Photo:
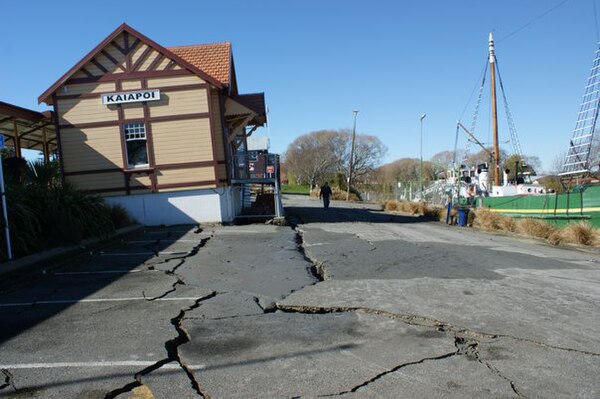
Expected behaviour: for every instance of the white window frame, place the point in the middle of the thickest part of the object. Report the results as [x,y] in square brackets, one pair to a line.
[138,135]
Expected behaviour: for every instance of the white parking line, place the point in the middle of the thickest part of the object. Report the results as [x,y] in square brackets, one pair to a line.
[122,363]
[158,241]
[63,301]
[143,253]
[126,253]
[170,231]
[173,253]
[103,272]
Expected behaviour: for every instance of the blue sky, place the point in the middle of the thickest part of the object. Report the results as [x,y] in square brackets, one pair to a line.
[318,60]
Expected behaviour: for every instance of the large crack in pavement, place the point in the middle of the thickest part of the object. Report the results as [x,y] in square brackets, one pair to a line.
[172,348]
[183,336]
[317,268]
[390,371]
[466,341]
[182,259]
[471,349]
[464,347]
[421,321]
[414,320]
[9,380]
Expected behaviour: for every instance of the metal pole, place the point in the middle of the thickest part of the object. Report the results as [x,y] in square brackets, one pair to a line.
[5,213]
[351,156]
[421,157]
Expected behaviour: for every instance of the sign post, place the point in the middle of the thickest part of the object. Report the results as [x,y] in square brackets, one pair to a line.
[4,211]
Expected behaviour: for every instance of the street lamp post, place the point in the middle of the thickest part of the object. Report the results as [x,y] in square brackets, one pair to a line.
[351,156]
[421,157]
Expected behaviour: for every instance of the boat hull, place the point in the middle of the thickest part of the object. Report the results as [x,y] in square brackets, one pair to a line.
[558,209]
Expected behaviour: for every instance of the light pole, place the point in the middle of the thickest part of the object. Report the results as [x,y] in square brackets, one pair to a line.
[351,156]
[421,157]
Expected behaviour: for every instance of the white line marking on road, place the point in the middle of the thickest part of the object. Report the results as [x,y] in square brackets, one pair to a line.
[316,244]
[170,231]
[63,301]
[158,241]
[173,253]
[122,363]
[126,253]
[103,272]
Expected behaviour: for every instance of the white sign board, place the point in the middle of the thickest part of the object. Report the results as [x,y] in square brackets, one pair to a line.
[131,97]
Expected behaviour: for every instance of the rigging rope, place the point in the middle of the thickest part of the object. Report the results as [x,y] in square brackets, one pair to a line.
[542,15]
[473,91]
[455,147]
[514,138]
[476,111]
[478,104]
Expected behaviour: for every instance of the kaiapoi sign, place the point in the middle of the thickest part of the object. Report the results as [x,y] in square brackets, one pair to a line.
[131,97]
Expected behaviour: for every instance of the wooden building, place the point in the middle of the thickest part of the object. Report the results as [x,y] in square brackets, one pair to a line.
[155,129]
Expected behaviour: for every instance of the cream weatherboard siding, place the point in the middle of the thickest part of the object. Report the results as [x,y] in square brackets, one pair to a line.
[182,141]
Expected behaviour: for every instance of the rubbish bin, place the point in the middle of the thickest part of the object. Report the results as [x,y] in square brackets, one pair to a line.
[463,214]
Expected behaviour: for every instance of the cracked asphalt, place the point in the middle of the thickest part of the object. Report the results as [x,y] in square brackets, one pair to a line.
[349,302]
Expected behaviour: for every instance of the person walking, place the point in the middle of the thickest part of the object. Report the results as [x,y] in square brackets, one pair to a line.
[325,193]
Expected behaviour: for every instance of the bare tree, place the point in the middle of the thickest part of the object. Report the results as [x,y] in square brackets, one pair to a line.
[319,155]
[557,163]
[368,153]
[311,157]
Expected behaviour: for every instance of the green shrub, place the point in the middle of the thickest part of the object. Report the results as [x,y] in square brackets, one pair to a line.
[42,213]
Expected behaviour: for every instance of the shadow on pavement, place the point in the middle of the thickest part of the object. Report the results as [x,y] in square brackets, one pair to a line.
[338,214]
[28,300]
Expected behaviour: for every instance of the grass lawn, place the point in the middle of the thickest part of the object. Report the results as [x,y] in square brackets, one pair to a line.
[294,189]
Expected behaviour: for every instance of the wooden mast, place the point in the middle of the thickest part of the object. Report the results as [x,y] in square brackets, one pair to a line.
[494,111]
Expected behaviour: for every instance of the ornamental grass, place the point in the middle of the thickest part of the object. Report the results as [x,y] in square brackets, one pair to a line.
[44,213]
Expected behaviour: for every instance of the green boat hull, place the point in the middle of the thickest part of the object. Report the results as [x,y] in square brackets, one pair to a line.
[558,209]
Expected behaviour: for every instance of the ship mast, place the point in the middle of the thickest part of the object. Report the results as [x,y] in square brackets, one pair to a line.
[492,61]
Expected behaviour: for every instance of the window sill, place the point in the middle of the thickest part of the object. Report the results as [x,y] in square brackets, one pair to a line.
[143,169]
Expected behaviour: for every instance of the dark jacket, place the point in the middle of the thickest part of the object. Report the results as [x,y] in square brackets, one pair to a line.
[325,191]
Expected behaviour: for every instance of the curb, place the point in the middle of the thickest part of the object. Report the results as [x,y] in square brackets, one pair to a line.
[52,255]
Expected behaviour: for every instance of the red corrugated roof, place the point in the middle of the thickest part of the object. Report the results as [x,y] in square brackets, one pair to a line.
[213,59]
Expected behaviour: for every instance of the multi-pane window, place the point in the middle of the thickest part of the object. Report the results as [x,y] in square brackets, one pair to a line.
[135,142]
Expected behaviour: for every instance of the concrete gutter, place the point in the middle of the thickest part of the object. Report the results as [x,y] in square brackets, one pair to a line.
[29,262]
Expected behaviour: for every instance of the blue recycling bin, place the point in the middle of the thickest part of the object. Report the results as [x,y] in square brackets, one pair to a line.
[463,215]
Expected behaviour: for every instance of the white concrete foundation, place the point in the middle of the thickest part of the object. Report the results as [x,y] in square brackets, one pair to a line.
[182,207]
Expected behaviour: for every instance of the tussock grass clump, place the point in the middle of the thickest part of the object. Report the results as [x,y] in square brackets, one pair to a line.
[555,238]
[596,240]
[506,223]
[390,205]
[339,195]
[415,208]
[581,233]
[487,220]
[435,213]
[535,228]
